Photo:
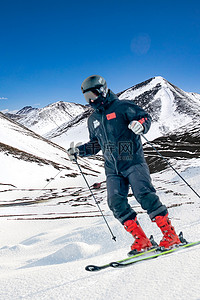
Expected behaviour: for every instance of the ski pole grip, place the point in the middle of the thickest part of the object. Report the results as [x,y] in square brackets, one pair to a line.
[75,156]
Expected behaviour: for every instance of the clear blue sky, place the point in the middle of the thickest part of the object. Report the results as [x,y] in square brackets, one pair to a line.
[48,47]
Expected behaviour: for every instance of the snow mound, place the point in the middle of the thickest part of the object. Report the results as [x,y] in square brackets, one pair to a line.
[6,250]
[33,240]
[71,252]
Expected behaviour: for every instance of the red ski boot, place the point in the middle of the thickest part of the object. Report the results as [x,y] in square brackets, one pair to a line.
[141,241]
[170,237]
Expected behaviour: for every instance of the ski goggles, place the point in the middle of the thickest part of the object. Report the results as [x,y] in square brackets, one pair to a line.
[91,95]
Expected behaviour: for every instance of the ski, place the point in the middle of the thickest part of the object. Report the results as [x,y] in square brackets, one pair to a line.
[158,252]
[93,268]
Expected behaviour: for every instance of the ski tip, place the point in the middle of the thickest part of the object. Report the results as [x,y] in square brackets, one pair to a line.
[92,268]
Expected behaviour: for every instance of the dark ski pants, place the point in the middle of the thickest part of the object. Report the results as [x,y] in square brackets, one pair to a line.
[140,181]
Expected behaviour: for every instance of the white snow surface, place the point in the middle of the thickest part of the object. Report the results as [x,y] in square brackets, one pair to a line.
[46,258]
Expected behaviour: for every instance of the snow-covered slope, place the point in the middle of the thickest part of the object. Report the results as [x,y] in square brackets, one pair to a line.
[74,130]
[29,160]
[45,247]
[15,135]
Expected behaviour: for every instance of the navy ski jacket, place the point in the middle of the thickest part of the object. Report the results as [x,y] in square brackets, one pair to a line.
[108,131]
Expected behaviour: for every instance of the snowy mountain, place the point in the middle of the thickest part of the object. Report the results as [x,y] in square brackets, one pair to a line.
[170,107]
[42,120]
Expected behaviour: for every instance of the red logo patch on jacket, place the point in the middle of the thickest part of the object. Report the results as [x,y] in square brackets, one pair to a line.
[111,116]
[142,120]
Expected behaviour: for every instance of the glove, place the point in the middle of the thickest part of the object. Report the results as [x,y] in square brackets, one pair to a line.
[136,127]
[72,153]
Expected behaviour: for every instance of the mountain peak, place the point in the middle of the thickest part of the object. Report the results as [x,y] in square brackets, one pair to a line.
[25,110]
[169,106]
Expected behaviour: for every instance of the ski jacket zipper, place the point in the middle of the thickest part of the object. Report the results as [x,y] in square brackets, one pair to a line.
[107,141]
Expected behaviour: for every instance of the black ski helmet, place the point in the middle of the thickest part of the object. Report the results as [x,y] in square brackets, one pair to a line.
[94,86]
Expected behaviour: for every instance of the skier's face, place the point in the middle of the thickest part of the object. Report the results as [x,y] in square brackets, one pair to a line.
[91,96]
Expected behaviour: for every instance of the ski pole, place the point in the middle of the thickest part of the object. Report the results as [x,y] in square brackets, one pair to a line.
[170,165]
[113,237]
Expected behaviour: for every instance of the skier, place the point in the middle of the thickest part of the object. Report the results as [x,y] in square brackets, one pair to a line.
[115,127]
